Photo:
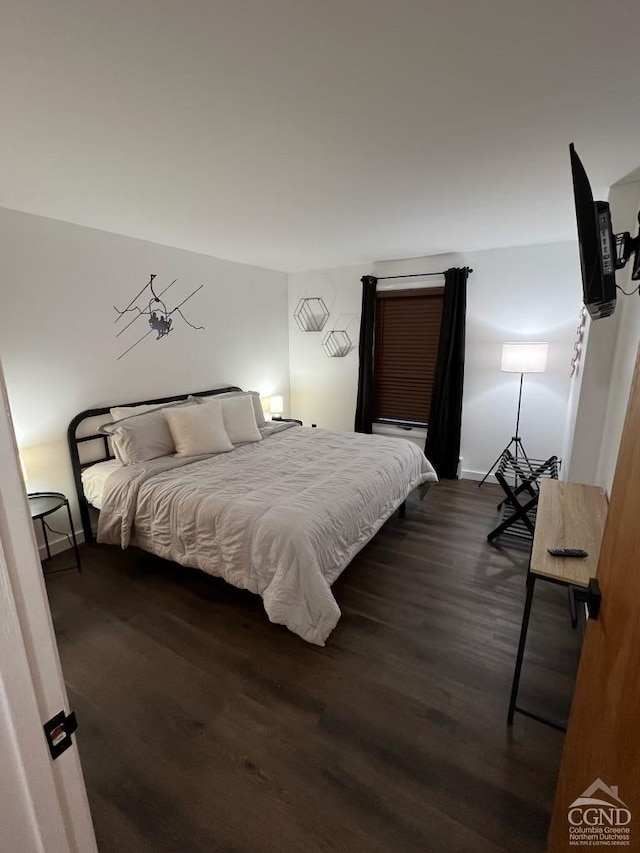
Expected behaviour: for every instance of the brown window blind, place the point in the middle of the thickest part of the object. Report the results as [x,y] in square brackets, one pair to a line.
[406,348]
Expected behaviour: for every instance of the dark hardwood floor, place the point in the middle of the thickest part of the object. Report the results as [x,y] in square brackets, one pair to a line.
[205,728]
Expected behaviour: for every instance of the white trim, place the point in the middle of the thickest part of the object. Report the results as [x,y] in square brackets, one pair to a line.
[60,544]
[477,475]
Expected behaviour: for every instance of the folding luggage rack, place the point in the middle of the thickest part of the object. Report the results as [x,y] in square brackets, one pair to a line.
[517,516]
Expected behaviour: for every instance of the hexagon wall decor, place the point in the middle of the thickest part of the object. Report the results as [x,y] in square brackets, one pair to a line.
[311,314]
[337,344]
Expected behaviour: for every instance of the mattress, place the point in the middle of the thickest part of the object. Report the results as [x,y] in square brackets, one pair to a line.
[94,479]
[281,517]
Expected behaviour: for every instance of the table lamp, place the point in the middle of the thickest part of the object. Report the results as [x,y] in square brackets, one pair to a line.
[520,358]
[276,407]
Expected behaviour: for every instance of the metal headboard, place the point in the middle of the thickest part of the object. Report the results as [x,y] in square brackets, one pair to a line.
[74,445]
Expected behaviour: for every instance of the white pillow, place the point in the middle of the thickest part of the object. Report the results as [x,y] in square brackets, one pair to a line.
[240,420]
[197,430]
[255,399]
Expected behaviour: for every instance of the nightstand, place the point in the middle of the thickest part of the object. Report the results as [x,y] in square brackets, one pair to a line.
[43,504]
[288,420]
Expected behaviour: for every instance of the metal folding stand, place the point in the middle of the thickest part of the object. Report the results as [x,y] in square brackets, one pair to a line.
[518,519]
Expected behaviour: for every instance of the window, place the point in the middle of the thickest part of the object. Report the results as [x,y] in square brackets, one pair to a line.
[406,349]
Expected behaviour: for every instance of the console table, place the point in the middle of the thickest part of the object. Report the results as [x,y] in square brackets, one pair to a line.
[569,515]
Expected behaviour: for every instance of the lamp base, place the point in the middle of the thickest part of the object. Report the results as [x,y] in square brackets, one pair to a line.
[516,442]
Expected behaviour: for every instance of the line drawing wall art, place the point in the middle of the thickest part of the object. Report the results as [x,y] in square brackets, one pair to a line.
[148,303]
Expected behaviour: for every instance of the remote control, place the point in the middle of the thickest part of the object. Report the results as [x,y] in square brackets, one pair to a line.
[567,552]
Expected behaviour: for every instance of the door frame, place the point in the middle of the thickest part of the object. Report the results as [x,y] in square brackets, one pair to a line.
[51,810]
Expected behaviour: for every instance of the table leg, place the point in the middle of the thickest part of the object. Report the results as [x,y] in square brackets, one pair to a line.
[531,581]
[73,537]
[46,539]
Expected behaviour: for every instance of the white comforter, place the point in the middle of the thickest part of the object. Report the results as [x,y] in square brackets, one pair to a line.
[281,517]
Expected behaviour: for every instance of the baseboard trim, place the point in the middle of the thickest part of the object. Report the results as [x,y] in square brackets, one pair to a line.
[60,544]
[477,475]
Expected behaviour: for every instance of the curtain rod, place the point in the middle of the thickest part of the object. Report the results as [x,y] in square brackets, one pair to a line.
[412,275]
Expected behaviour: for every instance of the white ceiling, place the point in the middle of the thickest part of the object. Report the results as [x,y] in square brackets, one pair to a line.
[296,134]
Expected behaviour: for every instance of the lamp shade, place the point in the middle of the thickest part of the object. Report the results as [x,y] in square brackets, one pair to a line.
[524,357]
[276,405]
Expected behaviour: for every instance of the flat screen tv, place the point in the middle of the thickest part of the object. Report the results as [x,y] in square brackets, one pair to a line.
[597,244]
[601,251]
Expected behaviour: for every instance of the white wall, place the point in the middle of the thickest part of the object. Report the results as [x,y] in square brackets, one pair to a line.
[59,283]
[522,293]
[588,399]
[601,389]
[625,202]
[323,389]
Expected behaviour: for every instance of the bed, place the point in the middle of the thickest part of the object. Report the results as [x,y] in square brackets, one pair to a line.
[281,517]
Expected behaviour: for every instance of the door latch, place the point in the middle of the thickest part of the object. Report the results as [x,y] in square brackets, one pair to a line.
[590,595]
[58,731]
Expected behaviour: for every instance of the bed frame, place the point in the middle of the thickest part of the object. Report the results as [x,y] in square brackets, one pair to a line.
[104,454]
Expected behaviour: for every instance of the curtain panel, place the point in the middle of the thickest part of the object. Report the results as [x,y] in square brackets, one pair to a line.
[364,405]
[442,447]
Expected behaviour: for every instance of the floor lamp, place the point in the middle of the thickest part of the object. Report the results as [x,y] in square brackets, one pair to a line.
[520,358]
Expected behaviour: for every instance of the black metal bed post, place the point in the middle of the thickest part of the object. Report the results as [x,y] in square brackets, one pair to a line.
[74,453]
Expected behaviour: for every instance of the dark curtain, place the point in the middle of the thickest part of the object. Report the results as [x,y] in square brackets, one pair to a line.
[442,447]
[364,406]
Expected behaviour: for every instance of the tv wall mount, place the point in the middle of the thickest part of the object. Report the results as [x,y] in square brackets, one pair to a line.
[626,246]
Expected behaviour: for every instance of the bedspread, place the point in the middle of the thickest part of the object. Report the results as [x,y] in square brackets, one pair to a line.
[281,517]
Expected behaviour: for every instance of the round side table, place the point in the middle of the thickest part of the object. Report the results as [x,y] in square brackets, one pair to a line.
[43,504]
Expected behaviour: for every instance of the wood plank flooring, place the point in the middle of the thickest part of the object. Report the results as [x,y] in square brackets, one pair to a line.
[205,728]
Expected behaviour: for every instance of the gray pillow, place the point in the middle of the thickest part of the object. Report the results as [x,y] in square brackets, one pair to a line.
[141,437]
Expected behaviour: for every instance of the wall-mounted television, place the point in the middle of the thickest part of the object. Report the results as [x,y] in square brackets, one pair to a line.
[601,251]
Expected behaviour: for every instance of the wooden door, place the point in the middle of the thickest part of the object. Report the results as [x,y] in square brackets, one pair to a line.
[598,794]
